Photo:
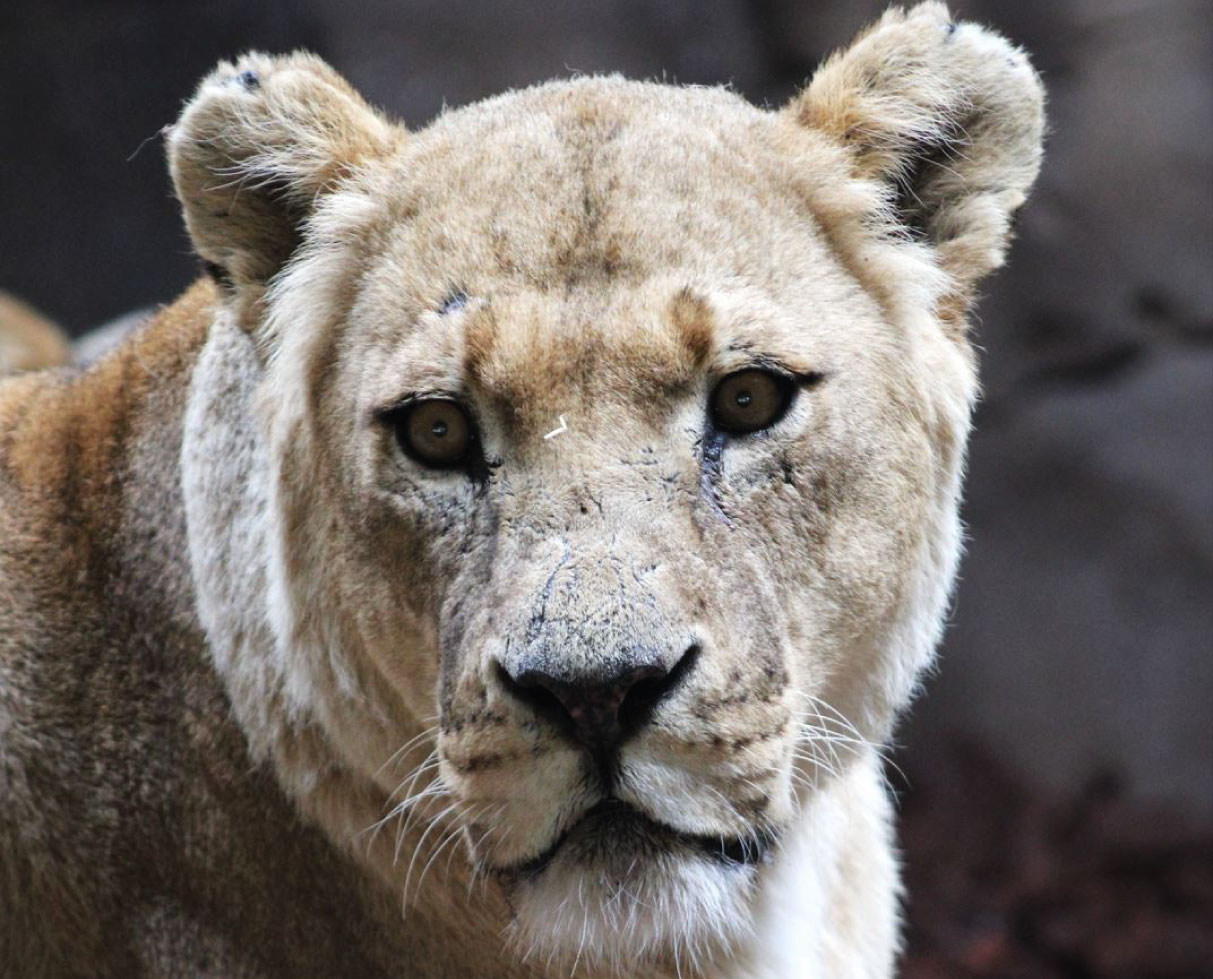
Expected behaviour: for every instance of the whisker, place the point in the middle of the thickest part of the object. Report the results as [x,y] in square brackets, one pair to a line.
[408,746]
[420,847]
[836,735]
[410,808]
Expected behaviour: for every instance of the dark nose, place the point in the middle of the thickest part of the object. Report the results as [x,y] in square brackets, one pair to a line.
[600,711]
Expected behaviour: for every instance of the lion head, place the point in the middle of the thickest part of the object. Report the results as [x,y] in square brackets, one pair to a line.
[600,444]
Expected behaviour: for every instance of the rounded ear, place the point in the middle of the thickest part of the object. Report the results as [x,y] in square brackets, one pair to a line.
[259,143]
[950,117]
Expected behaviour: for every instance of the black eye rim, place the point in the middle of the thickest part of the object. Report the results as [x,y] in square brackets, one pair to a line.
[397,417]
[788,384]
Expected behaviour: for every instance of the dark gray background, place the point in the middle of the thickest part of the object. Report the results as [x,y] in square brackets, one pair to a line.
[1083,632]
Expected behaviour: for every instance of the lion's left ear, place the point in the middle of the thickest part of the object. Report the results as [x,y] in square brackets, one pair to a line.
[257,147]
[950,117]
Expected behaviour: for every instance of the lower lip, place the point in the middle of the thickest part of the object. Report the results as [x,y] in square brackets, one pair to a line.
[614,816]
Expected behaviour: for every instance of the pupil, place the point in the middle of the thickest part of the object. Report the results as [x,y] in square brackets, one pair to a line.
[439,429]
[744,399]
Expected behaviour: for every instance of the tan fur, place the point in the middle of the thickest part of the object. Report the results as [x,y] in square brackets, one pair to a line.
[28,340]
[228,600]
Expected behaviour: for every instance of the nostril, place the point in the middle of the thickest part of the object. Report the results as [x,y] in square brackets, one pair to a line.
[535,695]
[644,696]
[602,711]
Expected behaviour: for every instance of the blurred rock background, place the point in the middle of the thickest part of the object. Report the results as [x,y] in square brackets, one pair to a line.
[1080,657]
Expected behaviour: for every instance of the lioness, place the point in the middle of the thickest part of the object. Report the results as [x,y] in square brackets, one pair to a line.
[510,561]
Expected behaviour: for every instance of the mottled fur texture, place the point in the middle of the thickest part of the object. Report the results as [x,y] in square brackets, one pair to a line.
[252,714]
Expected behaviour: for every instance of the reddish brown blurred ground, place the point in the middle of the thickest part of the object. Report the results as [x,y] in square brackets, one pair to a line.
[1007,880]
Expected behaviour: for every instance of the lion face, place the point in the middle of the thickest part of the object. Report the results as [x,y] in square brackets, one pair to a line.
[656,619]
[613,441]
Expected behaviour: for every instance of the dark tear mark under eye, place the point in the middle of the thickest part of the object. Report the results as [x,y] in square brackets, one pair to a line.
[454,301]
[711,464]
[713,441]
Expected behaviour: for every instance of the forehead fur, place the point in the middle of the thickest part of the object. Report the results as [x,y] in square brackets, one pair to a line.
[577,212]
[580,192]
[599,179]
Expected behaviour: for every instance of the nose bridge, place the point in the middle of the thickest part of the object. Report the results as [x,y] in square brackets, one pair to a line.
[598,615]
[596,488]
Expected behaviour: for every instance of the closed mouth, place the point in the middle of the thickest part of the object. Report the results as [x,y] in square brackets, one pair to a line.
[612,820]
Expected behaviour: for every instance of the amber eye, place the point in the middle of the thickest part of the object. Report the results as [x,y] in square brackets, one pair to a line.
[749,401]
[436,433]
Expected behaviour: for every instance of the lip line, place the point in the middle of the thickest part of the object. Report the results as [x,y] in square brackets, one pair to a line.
[732,851]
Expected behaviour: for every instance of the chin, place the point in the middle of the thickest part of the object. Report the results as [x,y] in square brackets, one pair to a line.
[619,891]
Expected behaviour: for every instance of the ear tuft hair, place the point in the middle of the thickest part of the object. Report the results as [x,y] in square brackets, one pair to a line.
[255,147]
[950,117]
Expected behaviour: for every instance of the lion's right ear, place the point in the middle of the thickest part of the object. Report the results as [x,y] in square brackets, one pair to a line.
[258,145]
